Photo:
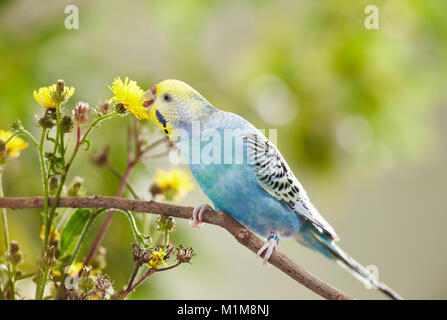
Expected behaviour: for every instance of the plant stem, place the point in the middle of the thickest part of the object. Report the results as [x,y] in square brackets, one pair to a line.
[60,133]
[132,278]
[113,170]
[77,249]
[44,173]
[43,280]
[166,238]
[143,278]
[5,229]
[6,239]
[139,282]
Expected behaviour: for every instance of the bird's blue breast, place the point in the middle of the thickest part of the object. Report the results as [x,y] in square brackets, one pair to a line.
[234,188]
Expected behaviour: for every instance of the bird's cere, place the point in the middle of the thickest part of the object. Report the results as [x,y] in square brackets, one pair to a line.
[129,94]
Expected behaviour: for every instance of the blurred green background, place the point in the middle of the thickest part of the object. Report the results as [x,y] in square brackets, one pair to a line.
[360,118]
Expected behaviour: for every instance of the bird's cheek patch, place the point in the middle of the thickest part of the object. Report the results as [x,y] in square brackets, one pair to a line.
[160,118]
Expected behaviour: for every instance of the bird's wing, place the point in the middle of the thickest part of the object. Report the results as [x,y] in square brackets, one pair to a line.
[277,179]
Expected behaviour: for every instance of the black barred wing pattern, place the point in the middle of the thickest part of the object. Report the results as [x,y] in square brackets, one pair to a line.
[277,179]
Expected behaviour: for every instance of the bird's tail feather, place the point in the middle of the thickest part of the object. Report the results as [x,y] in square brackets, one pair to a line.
[314,239]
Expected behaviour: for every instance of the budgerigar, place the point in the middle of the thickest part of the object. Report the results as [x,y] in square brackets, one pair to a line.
[260,191]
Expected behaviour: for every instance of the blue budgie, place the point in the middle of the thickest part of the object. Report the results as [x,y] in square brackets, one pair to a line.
[244,174]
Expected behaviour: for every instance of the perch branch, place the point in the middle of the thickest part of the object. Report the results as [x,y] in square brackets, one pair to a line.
[242,235]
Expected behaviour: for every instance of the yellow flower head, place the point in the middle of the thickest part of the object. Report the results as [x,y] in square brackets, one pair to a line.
[173,183]
[129,94]
[56,235]
[76,267]
[14,146]
[45,96]
[157,259]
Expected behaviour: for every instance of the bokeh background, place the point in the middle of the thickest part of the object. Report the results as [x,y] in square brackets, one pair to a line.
[360,116]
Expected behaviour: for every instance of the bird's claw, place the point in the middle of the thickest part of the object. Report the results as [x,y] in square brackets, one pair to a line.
[197,214]
[269,245]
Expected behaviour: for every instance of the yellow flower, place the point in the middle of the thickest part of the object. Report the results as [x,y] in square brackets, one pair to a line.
[45,95]
[129,94]
[56,273]
[157,259]
[173,183]
[56,235]
[14,146]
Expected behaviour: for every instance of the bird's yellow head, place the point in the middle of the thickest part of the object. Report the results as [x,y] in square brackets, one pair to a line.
[173,104]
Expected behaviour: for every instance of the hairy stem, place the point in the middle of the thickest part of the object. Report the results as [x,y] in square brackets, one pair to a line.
[43,280]
[79,243]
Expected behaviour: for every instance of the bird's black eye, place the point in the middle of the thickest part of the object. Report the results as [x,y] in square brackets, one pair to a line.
[167,97]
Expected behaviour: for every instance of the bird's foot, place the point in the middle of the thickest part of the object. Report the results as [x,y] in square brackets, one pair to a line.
[197,214]
[270,245]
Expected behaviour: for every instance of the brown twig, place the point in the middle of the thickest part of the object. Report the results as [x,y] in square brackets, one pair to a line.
[224,220]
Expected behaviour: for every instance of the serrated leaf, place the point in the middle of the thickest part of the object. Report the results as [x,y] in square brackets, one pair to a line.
[73,229]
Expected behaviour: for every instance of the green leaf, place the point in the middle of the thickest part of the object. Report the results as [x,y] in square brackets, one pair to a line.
[88,144]
[73,229]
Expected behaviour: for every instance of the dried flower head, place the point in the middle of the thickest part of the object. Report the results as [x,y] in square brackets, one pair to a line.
[140,255]
[81,114]
[129,94]
[184,255]
[103,283]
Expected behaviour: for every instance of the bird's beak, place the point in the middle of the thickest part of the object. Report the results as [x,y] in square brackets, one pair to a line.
[148,98]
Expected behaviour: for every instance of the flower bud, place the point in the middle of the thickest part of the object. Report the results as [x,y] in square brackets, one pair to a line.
[54,183]
[14,256]
[86,282]
[16,125]
[46,121]
[105,108]
[81,114]
[165,222]
[50,257]
[67,124]
[58,92]
[120,108]
[76,189]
